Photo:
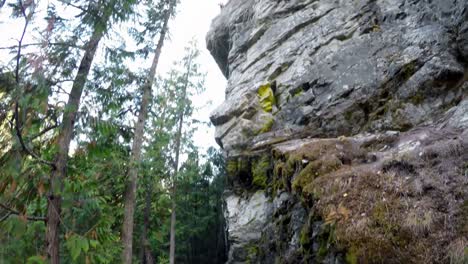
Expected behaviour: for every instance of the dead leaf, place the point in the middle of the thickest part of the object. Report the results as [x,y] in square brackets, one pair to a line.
[41,188]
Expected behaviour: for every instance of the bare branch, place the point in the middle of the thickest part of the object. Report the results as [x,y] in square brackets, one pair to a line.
[86,11]
[14,212]
[20,42]
[47,129]
[16,114]
[41,44]
[5,217]
[20,138]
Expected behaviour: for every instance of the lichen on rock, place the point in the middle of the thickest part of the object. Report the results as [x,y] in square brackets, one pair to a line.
[266,97]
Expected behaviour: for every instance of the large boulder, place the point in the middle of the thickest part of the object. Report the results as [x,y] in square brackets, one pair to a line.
[337,67]
[345,126]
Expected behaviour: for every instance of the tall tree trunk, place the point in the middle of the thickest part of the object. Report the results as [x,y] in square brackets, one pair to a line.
[176,166]
[147,257]
[64,138]
[173,198]
[130,192]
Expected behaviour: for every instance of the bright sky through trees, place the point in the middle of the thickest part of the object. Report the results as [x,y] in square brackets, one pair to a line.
[192,22]
[96,125]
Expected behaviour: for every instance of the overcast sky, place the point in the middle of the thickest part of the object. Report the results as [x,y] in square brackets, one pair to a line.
[192,22]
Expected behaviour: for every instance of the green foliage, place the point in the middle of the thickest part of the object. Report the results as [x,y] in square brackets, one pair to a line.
[76,245]
[36,260]
[21,241]
[351,257]
[92,192]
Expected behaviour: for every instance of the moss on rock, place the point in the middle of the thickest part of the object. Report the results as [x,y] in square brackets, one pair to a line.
[362,202]
[266,126]
[260,169]
[231,167]
[253,253]
[365,204]
[304,181]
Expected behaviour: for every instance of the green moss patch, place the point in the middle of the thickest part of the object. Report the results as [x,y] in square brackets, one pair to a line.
[266,126]
[260,169]
[253,253]
[267,97]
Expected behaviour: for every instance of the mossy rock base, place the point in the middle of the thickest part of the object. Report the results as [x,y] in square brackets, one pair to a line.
[366,198]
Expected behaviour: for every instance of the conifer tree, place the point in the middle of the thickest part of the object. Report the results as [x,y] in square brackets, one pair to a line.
[135,158]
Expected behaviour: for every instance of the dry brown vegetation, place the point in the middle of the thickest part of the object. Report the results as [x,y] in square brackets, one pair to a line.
[406,203]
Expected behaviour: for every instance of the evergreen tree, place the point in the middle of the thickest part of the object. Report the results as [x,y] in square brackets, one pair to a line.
[135,158]
[71,155]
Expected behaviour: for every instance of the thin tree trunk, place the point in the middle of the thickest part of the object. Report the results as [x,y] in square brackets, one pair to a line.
[64,138]
[173,203]
[147,256]
[130,192]
[176,168]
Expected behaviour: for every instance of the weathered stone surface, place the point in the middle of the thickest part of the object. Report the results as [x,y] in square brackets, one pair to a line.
[378,88]
[340,67]
[246,218]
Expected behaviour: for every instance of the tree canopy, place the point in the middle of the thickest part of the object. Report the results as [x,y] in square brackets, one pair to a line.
[71,104]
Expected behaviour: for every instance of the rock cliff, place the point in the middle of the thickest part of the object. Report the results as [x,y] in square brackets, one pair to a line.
[345,127]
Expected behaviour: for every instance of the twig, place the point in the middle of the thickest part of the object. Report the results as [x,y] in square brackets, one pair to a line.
[47,129]
[75,6]
[92,228]
[16,114]
[20,138]
[20,42]
[5,217]
[40,44]
[14,212]
[61,90]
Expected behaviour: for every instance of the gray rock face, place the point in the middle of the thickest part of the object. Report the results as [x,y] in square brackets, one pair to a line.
[337,67]
[375,71]
[255,224]
[245,219]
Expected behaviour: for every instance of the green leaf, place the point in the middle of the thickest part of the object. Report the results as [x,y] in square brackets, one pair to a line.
[73,246]
[93,243]
[83,243]
[36,260]
[75,252]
